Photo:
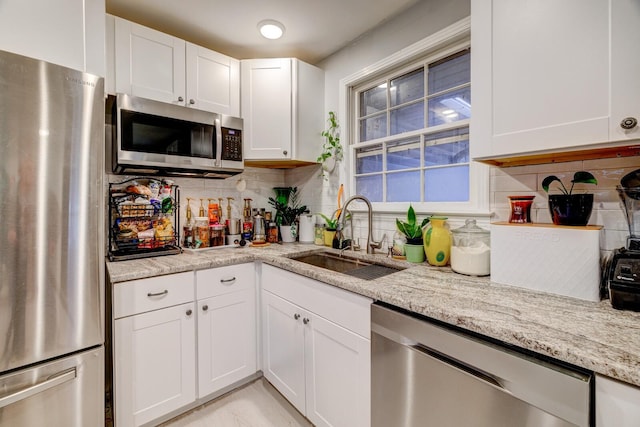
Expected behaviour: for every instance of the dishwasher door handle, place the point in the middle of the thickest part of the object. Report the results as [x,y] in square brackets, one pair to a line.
[461,367]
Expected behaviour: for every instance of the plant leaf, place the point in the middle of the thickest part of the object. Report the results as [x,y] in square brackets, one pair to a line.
[425,222]
[548,180]
[411,216]
[584,177]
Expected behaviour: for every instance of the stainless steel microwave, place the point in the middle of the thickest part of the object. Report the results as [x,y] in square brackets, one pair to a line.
[153,137]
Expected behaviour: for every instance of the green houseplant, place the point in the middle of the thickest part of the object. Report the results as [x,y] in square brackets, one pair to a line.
[568,208]
[331,148]
[414,248]
[331,224]
[288,213]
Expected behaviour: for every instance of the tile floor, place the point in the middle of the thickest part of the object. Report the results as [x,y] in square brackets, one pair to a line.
[257,404]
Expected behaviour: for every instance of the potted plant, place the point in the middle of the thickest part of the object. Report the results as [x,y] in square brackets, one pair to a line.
[414,249]
[331,149]
[288,214]
[329,231]
[568,208]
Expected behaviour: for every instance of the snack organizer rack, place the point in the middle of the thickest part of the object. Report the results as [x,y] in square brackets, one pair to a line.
[144,219]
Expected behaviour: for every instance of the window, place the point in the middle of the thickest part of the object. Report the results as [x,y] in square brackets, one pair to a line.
[410,138]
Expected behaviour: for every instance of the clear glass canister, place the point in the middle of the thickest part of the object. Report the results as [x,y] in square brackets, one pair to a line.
[318,235]
[471,250]
[201,233]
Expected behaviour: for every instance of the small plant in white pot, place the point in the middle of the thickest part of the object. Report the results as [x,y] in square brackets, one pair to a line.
[331,149]
[288,214]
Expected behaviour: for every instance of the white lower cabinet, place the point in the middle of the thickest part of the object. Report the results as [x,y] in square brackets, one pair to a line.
[226,326]
[316,347]
[177,342]
[154,364]
[617,403]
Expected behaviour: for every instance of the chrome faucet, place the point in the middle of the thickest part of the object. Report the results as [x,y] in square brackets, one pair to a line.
[371,244]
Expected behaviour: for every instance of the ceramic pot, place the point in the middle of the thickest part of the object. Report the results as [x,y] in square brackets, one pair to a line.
[288,233]
[414,253]
[437,242]
[328,235]
[574,209]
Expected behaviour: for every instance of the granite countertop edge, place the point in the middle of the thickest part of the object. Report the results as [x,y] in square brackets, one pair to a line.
[591,335]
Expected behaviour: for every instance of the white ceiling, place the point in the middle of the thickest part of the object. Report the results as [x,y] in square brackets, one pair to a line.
[314,28]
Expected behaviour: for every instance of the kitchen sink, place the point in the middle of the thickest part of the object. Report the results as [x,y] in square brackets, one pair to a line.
[348,265]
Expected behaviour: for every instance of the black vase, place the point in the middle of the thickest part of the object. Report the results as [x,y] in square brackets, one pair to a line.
[574,209]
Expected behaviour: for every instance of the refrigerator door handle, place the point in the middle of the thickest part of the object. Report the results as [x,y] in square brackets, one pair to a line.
[53,381]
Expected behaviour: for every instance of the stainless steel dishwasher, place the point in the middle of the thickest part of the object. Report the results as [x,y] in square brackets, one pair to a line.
[425,374]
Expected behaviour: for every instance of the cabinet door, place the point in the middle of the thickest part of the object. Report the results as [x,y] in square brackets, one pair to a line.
[617,404]
[213,81]
[541,75]
[68,33]
[338,377]
[625,68]
[149,64]
[266,108]
[226,340]
[283,347]
[154,364]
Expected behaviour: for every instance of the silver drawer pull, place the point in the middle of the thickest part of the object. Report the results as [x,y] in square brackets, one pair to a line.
[52,381]
[158,294]
[233,279]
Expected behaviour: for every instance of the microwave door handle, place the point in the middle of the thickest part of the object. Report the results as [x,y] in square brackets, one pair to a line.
[218,159]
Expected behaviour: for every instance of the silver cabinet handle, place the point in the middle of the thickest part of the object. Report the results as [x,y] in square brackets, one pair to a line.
[180,99]
[158,294]
[233,279]
[205,307]
[296,316]
[192,101]
[305,321]
[189,312]
[629,123]
[52,381]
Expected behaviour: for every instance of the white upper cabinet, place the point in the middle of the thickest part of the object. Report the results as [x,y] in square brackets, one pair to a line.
[68,33]
[282,107]
[158,66]
[552,76]
[213,81]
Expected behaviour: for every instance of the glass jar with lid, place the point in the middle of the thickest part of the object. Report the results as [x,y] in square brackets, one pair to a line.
[471,250]
[201,233]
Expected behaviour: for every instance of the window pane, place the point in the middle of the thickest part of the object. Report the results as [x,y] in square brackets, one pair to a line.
[403,187]
[447,148]
[403,154]
[370,187]
[373,127]
[373,100]
[450,107]
[447,184]
[450,72]
[369,159]
[405,119]
[407,88]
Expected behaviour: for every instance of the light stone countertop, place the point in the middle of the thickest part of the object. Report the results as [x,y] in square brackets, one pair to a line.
[591,335]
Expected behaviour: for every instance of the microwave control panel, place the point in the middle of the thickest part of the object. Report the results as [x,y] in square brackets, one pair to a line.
[231,144]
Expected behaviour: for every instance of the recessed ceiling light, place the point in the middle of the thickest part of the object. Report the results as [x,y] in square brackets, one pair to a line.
[271,29]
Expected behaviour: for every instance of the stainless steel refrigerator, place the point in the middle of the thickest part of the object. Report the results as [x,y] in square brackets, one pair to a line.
[51,245]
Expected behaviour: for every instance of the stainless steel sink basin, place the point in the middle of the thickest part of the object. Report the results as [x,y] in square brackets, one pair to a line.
[351,266]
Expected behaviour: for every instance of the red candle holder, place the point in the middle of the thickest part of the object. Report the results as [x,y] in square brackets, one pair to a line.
[520,209]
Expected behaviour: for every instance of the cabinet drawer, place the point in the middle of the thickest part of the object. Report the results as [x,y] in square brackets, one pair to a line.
[139,296]
[223,280]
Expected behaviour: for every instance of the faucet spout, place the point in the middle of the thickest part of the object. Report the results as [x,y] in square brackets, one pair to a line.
[342,217]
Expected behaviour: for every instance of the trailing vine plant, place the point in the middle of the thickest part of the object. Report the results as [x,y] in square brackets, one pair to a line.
[331,147]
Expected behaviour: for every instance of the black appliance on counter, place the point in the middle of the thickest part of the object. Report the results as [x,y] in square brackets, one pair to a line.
[624,269]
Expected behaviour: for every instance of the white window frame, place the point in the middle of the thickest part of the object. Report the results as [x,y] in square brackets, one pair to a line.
[443,43]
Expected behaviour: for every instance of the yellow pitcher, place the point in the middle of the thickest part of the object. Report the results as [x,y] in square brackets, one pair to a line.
[437,242]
